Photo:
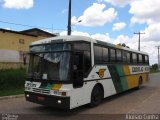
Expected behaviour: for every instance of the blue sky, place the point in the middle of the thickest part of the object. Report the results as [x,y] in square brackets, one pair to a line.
[114,21]
[48,13]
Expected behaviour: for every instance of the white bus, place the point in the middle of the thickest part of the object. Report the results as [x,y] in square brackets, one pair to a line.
[71,71]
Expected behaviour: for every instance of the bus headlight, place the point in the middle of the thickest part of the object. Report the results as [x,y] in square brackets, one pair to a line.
[59,101]
[27,96]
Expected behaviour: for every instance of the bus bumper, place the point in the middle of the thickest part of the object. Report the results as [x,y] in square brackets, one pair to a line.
[48,100]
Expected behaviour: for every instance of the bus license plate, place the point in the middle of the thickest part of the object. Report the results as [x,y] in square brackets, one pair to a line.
[41,98]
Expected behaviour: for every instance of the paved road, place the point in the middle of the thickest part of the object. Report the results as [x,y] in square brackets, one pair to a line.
[145,100]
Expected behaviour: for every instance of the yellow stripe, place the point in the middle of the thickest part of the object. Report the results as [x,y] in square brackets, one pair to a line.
[126,70]
[128,78]
[133,80]
[56,86]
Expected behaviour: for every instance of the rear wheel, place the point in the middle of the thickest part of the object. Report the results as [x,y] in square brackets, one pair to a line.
[140,83]
[96,96]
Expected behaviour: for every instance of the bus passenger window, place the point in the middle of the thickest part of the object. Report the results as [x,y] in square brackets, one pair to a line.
[146,59]
[140,60]
[126,57]
[119,55]
[112,55]
[134,57]
[98,54]
[105,55]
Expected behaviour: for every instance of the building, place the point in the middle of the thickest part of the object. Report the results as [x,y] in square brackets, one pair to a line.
[15,44]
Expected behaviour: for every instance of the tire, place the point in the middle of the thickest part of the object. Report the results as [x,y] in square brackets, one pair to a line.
[96,96]
[140,83]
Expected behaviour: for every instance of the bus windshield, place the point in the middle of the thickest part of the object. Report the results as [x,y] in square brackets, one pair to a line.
[50,62]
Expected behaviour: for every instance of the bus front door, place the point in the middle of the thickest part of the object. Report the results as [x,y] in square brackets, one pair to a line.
[78,68]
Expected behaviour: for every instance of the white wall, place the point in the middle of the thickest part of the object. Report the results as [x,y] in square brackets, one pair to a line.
[9,56]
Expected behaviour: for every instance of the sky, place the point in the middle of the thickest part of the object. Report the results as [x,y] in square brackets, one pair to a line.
[113,21]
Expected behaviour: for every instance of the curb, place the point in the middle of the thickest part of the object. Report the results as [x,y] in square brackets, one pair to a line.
[11,97]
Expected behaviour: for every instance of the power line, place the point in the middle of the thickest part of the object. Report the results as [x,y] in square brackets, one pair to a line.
[139,33]
[28,25]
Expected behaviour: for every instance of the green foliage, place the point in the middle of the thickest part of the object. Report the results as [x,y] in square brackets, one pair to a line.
[154,68]
[123,45]
[12,79]
[15,91]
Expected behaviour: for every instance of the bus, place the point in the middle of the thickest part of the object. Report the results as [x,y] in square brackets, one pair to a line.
[70,71]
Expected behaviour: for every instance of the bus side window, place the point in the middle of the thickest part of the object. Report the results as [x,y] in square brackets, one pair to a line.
[140,59]
[98,54]
[112,55]
[143,59]
[146,59]
[105,55]
[134,57]
[126,57]
[119,55]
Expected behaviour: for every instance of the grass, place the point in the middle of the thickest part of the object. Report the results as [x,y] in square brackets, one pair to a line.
[11,92]
[153,71]
[12,81]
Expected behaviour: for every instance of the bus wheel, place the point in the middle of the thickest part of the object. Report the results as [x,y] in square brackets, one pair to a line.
[140,83]
[96,96]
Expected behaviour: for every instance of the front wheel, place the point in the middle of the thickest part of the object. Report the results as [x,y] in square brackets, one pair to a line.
[96,96]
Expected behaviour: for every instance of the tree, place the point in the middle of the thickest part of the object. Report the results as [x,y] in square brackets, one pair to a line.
[155,66]
[123,45]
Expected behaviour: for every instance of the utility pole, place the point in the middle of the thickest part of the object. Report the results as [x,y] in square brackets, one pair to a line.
[158,57]
[69,18]
[139,33]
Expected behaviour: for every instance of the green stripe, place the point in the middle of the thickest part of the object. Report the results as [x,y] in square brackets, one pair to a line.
[49,86]
[115,77]
[122,79]
[43,85]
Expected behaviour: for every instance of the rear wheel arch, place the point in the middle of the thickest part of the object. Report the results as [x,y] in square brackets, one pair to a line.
[140,82]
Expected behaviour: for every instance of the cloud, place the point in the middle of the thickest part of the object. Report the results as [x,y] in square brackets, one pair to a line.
[145,11]
[95,15]
[152,33]
[120,3]
[118,26]
[18,4]
[76,33]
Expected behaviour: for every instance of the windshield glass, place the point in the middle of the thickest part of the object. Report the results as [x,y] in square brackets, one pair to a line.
[50,62]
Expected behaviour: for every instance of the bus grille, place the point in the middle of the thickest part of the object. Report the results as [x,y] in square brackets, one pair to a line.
[39,90]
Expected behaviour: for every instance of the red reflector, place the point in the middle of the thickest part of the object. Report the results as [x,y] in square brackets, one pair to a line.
[40,98]
[63,93]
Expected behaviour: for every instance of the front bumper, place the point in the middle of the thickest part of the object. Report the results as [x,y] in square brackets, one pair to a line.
[48,100]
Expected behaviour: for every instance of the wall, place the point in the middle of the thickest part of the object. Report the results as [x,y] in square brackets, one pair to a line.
[13,48]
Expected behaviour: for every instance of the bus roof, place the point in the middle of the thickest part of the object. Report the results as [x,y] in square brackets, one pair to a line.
[64,38]
[83,38]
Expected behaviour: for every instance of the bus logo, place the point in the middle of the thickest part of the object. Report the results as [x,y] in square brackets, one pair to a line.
[101,73]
